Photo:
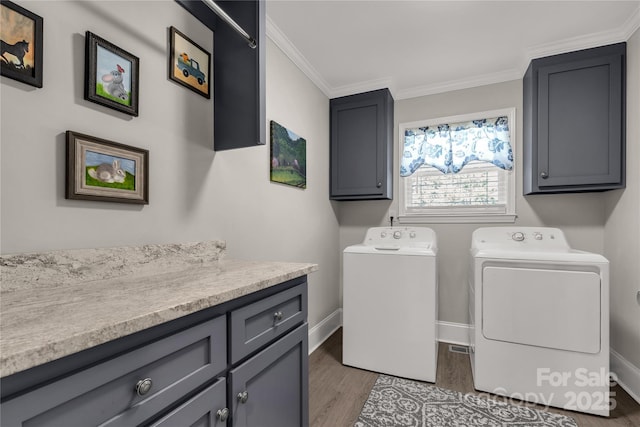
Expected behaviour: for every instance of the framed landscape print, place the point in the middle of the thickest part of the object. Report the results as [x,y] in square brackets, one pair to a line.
[111,75]
[189,64]
[103,170]
[21,39]
[288,157]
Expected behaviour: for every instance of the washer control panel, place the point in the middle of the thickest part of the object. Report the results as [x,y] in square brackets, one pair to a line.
[399,236]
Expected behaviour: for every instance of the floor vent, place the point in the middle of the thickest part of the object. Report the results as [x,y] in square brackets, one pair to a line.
[458,349]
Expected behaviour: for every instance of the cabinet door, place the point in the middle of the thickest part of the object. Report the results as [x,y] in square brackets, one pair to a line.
[206,409]
[271,388]
[362,146]
[578,123]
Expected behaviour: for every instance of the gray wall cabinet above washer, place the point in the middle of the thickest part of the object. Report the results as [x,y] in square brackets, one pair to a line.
[362,146]
[574,121]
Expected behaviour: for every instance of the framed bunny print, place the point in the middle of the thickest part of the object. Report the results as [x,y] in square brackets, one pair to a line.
[103,170]
[111,75]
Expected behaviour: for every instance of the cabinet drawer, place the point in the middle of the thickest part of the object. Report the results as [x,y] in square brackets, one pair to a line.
[200,410]
[105,393]
[263,321]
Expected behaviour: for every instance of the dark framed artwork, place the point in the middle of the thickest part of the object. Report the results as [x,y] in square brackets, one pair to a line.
[21,39]
[288,157]
[189,64]
[108,171]
[111,75]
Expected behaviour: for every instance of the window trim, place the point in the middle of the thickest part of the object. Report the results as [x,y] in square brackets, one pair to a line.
[449,215]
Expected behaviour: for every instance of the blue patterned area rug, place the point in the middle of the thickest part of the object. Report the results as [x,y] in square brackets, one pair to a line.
[395,402]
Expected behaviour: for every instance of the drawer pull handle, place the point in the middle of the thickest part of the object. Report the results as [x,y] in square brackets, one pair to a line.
[277,316]
[243,397]
[544,175]
[222,414]
[143,386]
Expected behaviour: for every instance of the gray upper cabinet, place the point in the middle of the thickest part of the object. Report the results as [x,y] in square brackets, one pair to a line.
[362,146]
[574,121]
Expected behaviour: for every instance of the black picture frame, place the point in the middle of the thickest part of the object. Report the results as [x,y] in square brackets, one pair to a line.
[108,63]
[101,170]
[189,63]
[25,27]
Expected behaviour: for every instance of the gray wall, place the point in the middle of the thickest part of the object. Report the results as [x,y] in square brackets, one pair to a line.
[581,216]
[195,193]
[622,228]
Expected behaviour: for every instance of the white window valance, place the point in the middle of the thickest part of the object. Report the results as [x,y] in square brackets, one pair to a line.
[449,147]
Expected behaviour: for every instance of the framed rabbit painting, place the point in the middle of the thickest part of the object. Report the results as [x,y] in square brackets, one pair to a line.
[21,38]
[111,75]
[108,171]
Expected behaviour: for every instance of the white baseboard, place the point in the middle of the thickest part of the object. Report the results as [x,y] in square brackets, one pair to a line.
[323,330]
[627,373]
[454,333]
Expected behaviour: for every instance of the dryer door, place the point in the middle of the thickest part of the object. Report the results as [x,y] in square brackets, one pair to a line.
[557,309]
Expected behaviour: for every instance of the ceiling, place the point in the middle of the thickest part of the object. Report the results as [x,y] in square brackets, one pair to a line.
[417,48]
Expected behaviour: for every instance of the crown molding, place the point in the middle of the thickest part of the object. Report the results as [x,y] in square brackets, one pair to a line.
[448,86]
[602,38]
[385,82]
[289,49]
[623,33]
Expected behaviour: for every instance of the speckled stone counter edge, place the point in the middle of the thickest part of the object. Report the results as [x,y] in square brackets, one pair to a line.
[42,323]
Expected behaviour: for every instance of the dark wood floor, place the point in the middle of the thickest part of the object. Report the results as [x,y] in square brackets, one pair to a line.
[337,392]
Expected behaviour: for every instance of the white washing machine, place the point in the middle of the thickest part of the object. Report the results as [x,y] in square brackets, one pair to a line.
[539,314]
[390,303]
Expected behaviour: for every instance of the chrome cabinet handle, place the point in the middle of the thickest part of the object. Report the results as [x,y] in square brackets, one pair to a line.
[379,184]
[143,386]
[277,316]
[243,397]
[544,175]
[222,414]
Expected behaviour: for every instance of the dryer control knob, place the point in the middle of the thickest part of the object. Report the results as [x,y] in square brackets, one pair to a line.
[383,234]
[518,236]
[397,234]
[412,235]
[537,236]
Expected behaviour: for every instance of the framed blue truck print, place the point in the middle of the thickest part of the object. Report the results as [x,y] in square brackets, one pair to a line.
[189,64]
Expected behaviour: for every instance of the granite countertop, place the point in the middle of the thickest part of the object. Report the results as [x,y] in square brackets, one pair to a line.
[56,304]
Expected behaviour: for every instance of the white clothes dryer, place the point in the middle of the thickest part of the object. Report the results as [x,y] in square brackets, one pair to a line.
[390,303]
[539,314]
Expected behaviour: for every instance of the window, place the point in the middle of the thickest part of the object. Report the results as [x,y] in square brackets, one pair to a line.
[458,169]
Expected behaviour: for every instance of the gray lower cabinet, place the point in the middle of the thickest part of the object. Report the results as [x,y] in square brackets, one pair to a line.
[362,146]
[206,409]
[189,377]
[271,388]
[574,121]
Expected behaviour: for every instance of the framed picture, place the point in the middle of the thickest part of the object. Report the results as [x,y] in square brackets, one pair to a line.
[189,64]
[111,75]
[103,170]
[288,157]
[21,39]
